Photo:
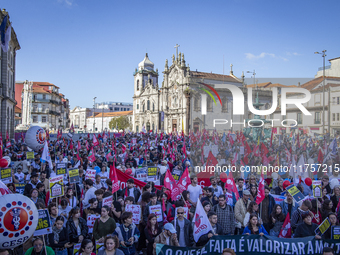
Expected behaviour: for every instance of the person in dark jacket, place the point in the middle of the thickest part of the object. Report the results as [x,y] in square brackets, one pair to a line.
[306,228]
[279,189]
[59,238]
[335,197]
[266,208]
[151,231]
[184,229]
[31,185]
[216,230]
[210,197]
[130,190]
[76,226]
[153,201]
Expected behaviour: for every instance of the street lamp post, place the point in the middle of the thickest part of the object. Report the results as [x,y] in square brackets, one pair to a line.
[94,120]
[323,92]
[253,73]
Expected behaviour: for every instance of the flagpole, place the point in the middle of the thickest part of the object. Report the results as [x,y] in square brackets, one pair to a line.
[44,244]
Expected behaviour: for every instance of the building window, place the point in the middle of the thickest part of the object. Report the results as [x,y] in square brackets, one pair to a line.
[116,109]
[43,96]
[43,119]
[299,118]
[153,107]
[333,116]
[153,126]
[137,85]
[197,106]
[338,116]
[143,107]
[137,129]
[209,104]
[137,106]
[148,105]
[338,100]
[317,119]
[35,119]
[224,104]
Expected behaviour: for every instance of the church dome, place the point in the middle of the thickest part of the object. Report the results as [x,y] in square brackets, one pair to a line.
[146,64]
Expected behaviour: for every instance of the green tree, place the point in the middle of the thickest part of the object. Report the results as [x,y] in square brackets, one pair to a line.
[121,122]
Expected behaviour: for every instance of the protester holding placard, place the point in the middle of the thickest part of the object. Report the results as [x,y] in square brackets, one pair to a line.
[128,234]
[39,248]
[334,222]
[317,219]
[216,230]
[104,225]
[306,228]
[151,231]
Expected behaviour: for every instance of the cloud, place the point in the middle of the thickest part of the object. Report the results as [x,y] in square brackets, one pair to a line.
[67,2]
[262,55]
[293,54]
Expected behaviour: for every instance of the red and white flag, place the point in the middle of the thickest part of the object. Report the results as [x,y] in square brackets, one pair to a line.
[231,186]
[260,193]
[184,181]
[113,176]
[94,140]
[201,222]
[286,230]
[91,157]
[170,183]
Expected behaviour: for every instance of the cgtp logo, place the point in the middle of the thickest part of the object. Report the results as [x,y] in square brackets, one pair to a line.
[238,100]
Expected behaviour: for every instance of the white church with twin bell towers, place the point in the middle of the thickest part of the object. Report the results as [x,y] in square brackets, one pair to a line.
[177,103]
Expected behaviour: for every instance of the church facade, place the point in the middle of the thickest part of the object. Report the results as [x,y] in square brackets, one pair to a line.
[186,99]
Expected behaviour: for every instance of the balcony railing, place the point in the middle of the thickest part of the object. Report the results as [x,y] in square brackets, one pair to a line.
[317,121]
[40,100]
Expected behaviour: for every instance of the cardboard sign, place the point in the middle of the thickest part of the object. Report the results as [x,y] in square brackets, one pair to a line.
[295,192]
[186,212]
[44,223]
[278,199]
[317,189]
[57,186]
[156,209]
[176,174]
[141,173]
[90,174]
[107,201]
[90,221]
[136,212]
[99,246]
[76,249]
[335,232]
[6,175]
[73,175]
[152,171]
[134,141]
[20,187]
[30,155]
[61,168]
[323,227]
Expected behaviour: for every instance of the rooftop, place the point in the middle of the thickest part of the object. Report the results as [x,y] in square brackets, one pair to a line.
[112,114]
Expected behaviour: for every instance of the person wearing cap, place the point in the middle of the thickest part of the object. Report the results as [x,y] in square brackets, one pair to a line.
[184,229]
[168,237]
[241,210]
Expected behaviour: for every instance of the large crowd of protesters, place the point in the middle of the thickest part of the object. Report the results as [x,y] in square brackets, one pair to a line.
[127,152]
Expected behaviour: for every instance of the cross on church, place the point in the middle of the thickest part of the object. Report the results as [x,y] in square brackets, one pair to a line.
[231,68]
[176,50]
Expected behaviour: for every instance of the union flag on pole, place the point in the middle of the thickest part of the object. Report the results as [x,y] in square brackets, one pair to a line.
[201,222]
[113,176]
[184,181]
[94,140]
[286,230]
[231,186]
[260,193]
[170,183]
[91,157]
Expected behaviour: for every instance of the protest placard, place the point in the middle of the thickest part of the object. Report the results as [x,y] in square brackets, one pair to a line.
[107,201]
[30,155]
[152,171]
[156,209]
[44,223]
[278,199]
[317,189]
[90,221]
[76,249]
[141,173]
[61,168]
[295,192]
[20,187]
[335,232]
[57,186]
[73,175]
[134,140]
[90,174]
[136,212]
[6,175]
[99,246]
[176,174]
[323,227]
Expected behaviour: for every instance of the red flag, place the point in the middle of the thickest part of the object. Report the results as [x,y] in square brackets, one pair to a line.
[113,176]
[248,148]
[286,230]
[211,160]
[71,145]
[170,183]
[231,140]
[320,157]
[94,140]
[184,181]
[235,159]
[231,186]
[245,159]
[260,193]
[78,156]
[7,136]
[91,157]
[123,148]
[264,150]
[87,145]
[79,146]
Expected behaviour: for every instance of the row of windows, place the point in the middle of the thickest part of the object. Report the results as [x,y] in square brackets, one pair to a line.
[147,106]
[121,109]
[336,100]
[197,106]
[44,119]
[148,127]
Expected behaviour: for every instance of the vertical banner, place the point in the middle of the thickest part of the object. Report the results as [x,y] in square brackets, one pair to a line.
[57,186]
